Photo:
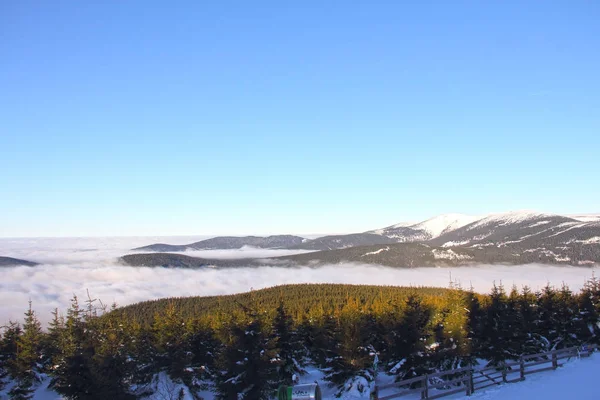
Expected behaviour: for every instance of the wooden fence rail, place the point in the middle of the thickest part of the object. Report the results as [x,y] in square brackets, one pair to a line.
[469,379]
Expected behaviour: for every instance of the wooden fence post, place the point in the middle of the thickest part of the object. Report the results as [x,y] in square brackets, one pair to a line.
[504,373]
[522,368]
[554,361]
[469,382]
[425,384]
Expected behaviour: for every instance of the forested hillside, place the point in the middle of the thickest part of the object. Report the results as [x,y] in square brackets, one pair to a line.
[245,346]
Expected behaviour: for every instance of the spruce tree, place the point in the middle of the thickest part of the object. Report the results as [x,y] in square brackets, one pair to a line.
[409,349]
[533,342]
[498,325]
[52,341]
[143,356]
[349,364]
[289,349]
[248,364]
[547,321]
[589,306]
[570,325]
[171,341]
[110,370]
[8,350]
[71,375]
[25,366]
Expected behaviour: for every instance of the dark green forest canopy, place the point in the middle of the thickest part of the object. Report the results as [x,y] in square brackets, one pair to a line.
[300,300]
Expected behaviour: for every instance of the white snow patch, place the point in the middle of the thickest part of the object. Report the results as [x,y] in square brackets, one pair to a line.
[453,244]
[449,255]
[376,252]
[592,240]
[586,217]
[538,224]
[514,217]
[445,223]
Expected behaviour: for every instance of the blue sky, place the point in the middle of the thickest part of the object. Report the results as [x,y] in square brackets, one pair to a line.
[145,118]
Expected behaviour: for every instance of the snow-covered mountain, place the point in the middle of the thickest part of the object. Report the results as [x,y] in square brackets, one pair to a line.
[427,229]
[530,235]
[542,236]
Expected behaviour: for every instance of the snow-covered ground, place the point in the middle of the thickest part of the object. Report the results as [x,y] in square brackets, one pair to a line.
[446,222]
[575,380]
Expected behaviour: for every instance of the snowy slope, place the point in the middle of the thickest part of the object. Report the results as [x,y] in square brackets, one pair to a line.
[426,230]
[586,217]
[444,223]
[513,217]
[575,380]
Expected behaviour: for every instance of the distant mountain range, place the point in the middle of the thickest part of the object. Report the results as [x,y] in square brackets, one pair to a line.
[450,239]
[231,242]
[13,262]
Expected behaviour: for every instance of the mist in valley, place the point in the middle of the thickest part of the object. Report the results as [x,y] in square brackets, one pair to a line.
[76,266]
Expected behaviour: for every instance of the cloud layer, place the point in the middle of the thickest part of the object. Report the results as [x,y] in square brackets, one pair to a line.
[72,266]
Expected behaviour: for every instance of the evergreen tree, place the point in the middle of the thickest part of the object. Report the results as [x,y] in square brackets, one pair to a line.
[547,321]
[589,306]
[324,340]
[533,342]
[8,350]
[24,366]
[248,364]
[570,326]
[111,373]
[498,324]
[172,345]
[409,349]
[451,349]
[289,348]
[142,355]
[349,363]
[71,375]
[51,341]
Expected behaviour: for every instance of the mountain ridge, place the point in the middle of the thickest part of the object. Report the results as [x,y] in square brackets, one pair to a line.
[451,229]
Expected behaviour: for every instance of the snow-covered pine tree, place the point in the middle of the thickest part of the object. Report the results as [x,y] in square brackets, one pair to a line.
[474,321]
[51,340]
[500,321]
[204,347]
[409,349]
[533,342]
[289,348]
[374,332]
[171,341]
[8,349]
[71,373]
[548,305]
[324,340]
[109,367]
[142,356]
[25,367]
[570,324]
[451,349]
[248,364]
[589,309]
[349,365]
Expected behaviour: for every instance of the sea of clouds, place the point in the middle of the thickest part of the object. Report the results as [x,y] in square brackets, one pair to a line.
[74,266]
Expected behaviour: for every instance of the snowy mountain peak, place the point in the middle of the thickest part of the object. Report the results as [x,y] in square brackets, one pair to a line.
[512,217]
[444,223]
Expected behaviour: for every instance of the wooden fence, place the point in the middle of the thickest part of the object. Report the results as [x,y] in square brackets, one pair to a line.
[471,379]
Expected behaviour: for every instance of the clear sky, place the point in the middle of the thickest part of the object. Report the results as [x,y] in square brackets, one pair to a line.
[222,117]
